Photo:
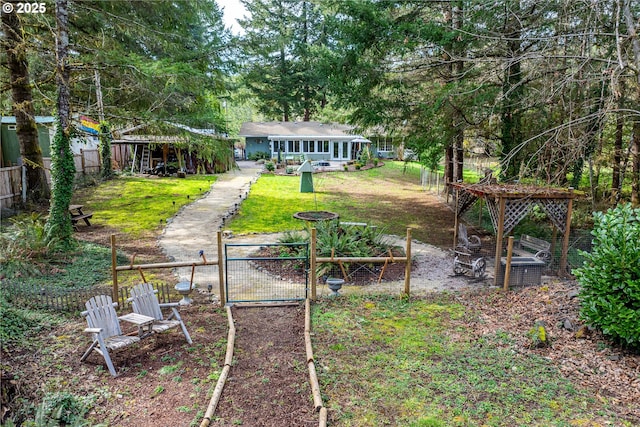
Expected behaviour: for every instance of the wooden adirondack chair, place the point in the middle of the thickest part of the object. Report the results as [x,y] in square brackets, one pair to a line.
[105,326]
[144,301]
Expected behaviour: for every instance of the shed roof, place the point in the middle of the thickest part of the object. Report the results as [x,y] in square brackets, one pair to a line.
[11,120]
[296,129]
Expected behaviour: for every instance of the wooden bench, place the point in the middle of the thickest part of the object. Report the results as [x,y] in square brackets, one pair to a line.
[78,215]
[529,245]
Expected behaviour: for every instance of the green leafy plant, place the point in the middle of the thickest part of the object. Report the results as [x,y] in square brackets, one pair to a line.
[62,408]
[63,170]
[270,166]
[610,276]
[23,244]
[19,324]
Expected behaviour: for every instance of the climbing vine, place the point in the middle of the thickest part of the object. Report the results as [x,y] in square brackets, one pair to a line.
[59,230]
[105,151]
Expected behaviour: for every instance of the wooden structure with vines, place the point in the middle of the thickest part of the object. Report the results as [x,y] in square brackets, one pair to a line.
[508,204]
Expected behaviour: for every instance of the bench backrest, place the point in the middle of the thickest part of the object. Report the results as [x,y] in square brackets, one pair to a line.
[144,301]
[101,313]
[531,242]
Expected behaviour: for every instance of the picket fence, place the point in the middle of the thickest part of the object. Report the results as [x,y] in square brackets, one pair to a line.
[68,299]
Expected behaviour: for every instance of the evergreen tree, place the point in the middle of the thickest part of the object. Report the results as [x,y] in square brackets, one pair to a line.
[278,61]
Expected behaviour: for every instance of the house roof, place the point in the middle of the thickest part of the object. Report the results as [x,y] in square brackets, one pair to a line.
[11,120]
[297,130]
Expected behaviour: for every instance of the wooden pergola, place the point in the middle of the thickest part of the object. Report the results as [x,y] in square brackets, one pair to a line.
[508,204]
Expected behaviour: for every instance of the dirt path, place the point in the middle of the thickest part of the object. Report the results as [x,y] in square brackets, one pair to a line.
[268,386]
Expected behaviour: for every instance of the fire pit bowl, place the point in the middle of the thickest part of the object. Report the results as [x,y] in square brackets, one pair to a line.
[316,215]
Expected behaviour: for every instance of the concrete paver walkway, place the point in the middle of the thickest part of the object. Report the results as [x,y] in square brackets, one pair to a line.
[194,228]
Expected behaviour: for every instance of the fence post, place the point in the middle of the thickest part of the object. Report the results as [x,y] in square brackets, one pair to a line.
[223,298]
[114,271]
[82,162]
[407,270]
[312,266]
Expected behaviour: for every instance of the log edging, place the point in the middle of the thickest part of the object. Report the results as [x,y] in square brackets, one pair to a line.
[217,392]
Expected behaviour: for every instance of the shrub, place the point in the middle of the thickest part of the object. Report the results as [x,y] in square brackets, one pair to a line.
[270,166]
[260,155]
[610,276]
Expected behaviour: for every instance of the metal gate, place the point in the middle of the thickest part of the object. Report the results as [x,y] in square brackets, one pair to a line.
[266,272]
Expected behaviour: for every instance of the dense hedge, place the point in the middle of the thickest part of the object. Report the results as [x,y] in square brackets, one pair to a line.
[610,276]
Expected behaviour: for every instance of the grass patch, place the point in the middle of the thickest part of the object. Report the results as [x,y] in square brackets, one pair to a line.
[390,361]
[136,205]
[372,196]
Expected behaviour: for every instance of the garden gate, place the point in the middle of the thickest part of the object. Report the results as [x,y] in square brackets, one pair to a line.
[266,272]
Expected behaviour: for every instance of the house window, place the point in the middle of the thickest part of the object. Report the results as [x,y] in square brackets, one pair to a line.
[385,145]
[309,146]
[294,146]
[278,146]
[323,146]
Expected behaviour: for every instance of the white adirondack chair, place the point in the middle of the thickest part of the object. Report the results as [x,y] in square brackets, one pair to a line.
[104,324]
[144,301]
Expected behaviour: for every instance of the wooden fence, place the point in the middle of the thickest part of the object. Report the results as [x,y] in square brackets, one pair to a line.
[70,299]
[10,185]
[11,178]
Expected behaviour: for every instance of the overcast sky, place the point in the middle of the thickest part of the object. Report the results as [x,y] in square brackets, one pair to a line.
[233,10]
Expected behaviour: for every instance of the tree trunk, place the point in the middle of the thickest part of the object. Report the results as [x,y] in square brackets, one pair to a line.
[635,164]
[511,117]
[457,117]
[59,229]
[617,159]
[26,127]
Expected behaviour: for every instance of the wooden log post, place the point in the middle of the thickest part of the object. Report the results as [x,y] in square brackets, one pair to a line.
[312,264]
[407,270]
[223,296]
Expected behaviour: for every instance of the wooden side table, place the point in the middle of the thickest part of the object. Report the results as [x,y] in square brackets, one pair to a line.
[144,323]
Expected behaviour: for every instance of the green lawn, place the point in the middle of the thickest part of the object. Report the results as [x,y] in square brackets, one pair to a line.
[136,205]
[399,362]
[374,196]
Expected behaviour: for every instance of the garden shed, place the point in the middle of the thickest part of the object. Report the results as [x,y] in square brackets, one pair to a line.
[508,204]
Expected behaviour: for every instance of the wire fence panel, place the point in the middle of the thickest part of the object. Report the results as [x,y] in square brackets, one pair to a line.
[266,273]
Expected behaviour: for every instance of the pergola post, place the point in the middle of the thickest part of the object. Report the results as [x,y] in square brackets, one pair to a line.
[499,239]
[455,221]
[562,272]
